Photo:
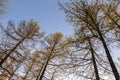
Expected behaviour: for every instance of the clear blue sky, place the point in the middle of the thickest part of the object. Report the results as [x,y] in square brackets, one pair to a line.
[45,12]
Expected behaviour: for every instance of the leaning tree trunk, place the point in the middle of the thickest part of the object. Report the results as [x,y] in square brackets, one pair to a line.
[9,53]
[94,62]
[114,69]
[43,70]
[46,63]
[24,78]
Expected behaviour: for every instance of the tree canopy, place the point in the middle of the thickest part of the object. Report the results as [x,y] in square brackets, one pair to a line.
[27,53]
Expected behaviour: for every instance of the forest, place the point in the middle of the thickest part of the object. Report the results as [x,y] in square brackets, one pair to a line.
[27,53]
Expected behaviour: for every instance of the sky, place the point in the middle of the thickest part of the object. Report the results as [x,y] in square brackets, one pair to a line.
[45,12]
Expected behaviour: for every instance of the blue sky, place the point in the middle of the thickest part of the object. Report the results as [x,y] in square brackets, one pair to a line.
[45,12]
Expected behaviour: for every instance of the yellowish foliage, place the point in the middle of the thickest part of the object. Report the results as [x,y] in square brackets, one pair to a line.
[34,25]
[107,18]
[58,36]
[37,27]
[1,78]
[69,40]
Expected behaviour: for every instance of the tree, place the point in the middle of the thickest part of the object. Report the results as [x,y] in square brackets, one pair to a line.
[87,16]
[17,39]
[3,6]
[52,48]
[84,57]
[94,61]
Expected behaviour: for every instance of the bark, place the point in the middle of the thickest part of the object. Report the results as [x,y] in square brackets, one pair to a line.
[40,72]
[114,69]
[94,62]
[47,61]
[9,53]
[43,70]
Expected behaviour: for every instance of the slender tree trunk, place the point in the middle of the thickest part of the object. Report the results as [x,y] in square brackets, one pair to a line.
[24,78]
[45,66]
[46,63]
[94,62]
[43,70]
[40,72]
[52,78]
[114,69]
[9,53]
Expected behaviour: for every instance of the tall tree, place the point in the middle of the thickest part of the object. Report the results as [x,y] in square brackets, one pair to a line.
[94,61]
[17,39]
[88,15]
[52,46]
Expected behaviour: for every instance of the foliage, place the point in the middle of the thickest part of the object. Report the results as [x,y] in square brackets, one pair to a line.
[27,54]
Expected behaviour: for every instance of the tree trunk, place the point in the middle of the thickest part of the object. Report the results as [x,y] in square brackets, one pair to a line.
[43,70]
[38,76]
[47,61]
[114,69]
[9,53]
[24,78]
[94,62]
